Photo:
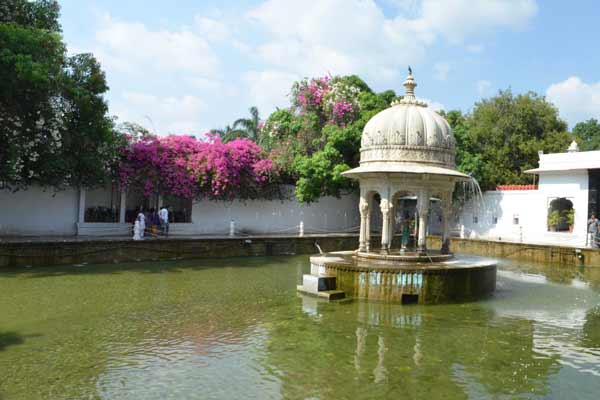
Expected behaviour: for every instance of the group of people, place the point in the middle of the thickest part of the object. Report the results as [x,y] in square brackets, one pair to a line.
[154,222]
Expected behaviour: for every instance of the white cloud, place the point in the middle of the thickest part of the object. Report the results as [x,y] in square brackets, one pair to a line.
[455,20]
[188,79]
[165,115]
[483,87]
[212,29]
[441,71]
[354,36]
[576,100]
[269,89]
[334,36]
[163,75]
[434,105]
[131,47]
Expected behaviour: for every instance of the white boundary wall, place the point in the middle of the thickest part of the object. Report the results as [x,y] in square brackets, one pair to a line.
[530,209]
[329,214]
[38,212]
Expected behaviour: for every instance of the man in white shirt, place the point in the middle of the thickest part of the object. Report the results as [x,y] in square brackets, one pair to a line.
[163,215]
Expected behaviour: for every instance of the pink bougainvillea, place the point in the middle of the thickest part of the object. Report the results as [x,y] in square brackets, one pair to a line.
[308,94]
[187,167]
[341,110]
[333,98]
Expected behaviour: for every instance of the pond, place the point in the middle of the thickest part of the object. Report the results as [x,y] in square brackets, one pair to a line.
[237,329]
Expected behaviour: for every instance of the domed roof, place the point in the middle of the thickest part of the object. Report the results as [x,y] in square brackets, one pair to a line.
[407,137]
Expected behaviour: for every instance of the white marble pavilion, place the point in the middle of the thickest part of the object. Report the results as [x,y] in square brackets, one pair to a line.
[406,150]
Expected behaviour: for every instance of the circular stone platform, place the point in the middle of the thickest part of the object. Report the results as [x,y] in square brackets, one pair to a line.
[439,280]
[398,256]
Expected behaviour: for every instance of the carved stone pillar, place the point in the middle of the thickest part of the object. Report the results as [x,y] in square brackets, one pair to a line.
[364,216]
[446,214]
[423,208]
[81,213]
[391,221]
[368,230]
[385,224]
[122,206]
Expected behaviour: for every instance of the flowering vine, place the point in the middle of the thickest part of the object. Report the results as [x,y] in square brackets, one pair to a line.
[307,95]
[332,97]
[187,167]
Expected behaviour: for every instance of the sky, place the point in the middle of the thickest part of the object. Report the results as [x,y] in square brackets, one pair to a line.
[186,66]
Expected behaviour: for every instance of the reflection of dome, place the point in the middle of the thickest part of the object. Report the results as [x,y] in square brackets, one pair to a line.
[407,137]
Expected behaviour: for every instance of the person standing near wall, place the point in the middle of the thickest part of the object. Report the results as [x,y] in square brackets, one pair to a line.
[136,230]
[593,231]
[163,215]
[142,218]
[154,221]
[406,230]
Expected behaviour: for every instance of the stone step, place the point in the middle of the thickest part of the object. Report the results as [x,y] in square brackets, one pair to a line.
[324,294]
[332,294]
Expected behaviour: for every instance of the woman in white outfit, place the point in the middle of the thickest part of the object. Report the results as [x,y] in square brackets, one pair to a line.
[136,230]
[142,218]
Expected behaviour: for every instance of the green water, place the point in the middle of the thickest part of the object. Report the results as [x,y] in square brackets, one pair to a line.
[236,329]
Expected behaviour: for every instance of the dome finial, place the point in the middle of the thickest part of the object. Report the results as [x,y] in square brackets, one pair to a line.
[409,97]
[573,148]
[410,84]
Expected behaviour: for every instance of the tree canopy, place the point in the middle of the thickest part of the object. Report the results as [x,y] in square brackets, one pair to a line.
[587,134]
[501,138]
[54,127]
[318,137]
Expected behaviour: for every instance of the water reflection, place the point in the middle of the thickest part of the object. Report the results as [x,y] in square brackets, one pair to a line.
[591,329]
[429,352]
[240,331]
[534,339]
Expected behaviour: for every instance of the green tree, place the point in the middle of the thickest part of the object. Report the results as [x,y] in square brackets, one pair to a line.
[228,133]
[54,126]
[467,158]
[502,137]
[587,134]
[250,127]
[320,174]
[90,141]
[41,14]
[134,130]
[281,125]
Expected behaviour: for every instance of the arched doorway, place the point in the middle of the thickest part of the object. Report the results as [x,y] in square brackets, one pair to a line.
[561,215]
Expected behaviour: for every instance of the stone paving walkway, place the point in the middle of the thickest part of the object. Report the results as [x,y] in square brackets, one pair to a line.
[78,239]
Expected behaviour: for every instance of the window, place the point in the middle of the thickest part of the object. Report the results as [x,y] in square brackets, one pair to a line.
[494,220]
[561,215]
[181,209]
[103,204]
[136,200]
[475,219]
[515,219]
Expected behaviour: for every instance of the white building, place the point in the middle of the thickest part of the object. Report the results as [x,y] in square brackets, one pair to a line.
[553,212]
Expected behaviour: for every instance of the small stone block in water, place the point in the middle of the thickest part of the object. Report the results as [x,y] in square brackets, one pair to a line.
[316,284]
